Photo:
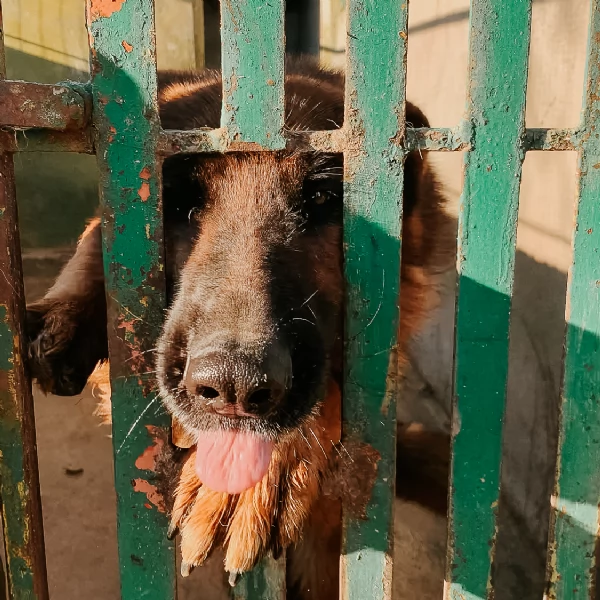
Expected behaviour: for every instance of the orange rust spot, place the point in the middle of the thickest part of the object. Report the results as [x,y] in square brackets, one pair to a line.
[145,173]
[128,47]
[104,8]
[147,460]
[142,486]
[127,326]
[144,191]
[146,505]
[270,82]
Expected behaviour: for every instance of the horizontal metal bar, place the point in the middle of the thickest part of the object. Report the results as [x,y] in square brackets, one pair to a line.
[552,139]
[39,105]
[435,139]
[203,141]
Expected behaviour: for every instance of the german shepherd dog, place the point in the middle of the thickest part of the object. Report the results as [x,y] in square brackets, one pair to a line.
[249,363]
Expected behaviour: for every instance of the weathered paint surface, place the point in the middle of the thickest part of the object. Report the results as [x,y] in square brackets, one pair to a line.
[573,546]
[125,115]
[499,48]
[265,582]
[39,105]
[375,118]
[252,38]
[20,502]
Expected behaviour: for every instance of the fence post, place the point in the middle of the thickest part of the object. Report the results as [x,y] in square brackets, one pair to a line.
[123,62]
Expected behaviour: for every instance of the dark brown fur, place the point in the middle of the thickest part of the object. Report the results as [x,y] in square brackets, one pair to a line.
[258,243]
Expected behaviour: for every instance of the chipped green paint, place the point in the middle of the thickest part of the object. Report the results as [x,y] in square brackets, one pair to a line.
[499,49]
[252,37]
[125,107]
[573,543]
[375,108]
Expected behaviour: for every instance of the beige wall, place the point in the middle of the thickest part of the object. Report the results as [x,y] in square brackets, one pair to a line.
[55,31]
[437,78]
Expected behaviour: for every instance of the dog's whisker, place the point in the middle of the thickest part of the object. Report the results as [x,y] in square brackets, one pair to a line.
[136,422]
[346,451]
[301,319]
[140,353]
[318,442]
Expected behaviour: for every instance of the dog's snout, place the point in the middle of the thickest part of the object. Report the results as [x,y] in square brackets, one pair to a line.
[238,384]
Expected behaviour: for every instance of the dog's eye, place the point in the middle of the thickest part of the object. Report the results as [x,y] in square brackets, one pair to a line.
[195,212]
[320,197]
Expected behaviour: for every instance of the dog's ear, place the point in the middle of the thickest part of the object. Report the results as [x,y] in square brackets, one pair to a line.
[423,467]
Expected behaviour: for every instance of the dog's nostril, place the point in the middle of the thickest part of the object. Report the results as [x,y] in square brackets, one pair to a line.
[207,392]
[260,398]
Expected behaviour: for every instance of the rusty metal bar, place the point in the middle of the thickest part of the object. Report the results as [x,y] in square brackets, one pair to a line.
[573,539]
[437,139]
[124,88]
[20,502]
[40,105]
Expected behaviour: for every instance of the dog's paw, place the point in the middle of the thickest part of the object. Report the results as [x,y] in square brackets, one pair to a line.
[264,519]
[64,345]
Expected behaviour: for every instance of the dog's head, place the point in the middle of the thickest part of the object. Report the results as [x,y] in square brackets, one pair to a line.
[255,260]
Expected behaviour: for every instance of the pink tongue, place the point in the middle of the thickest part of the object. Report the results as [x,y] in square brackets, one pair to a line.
[231,461]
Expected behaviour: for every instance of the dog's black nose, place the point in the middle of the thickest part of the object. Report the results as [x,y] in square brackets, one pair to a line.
[237,383]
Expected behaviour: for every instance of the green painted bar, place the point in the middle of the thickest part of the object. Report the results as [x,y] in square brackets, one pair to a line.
[499,48]
[126,120]
[20,502]
[573,543]
[375,109]
[265,582]
[253,42]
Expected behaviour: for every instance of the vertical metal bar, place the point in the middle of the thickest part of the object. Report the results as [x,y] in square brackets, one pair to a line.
[375,119]
[126,119]
[253,43]
[20,502]
[499,49]
[252,57]
[573,544]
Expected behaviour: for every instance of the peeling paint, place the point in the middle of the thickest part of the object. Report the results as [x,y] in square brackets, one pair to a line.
[154,497]
[144,191]
[147,460]
[104,8]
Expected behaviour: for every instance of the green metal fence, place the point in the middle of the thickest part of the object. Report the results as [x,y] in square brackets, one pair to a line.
[115,116]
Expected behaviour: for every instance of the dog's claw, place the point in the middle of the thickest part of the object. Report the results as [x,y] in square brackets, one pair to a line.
[172,531]
[186,569]
[234,577]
